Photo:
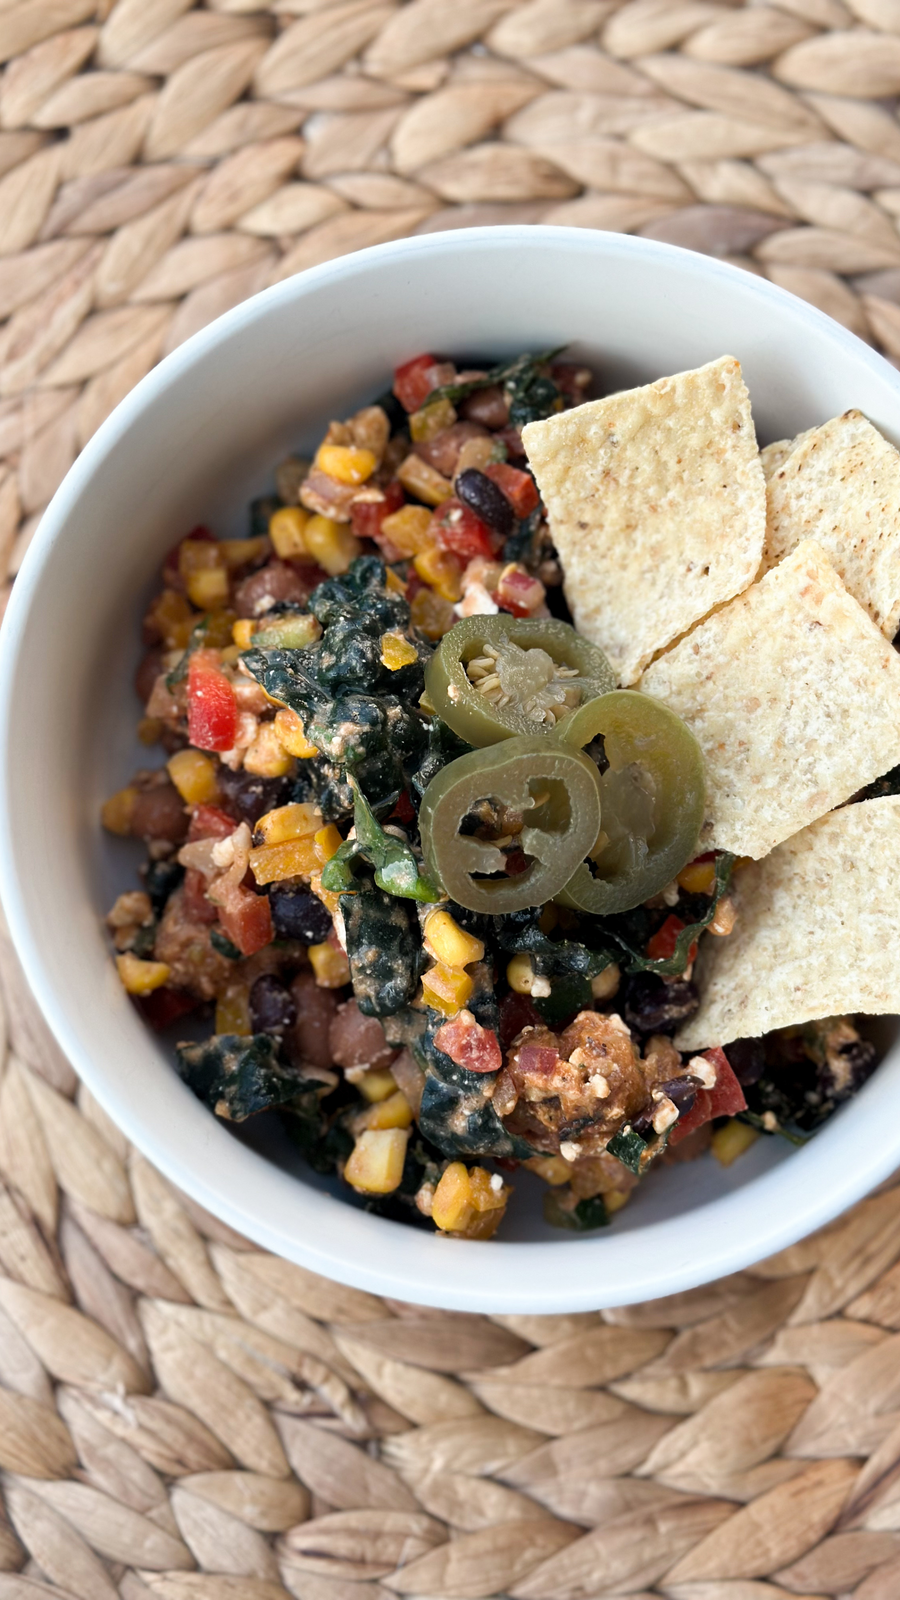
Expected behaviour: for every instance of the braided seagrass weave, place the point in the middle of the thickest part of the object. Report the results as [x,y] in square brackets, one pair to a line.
[181,1416]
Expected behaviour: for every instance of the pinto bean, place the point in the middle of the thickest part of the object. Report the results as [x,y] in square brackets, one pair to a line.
[442,452]
[147,673]
[271,585]
[159,814]
[356,1040]
[488,406]
[307,1039]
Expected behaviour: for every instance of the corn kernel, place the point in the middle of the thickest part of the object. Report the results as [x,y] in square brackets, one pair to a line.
[118,810]
[172,615]
[520,974]
[269,863]
[330,965]
[407,529]
[447,989]
[208,588]
[347,463]
[425,482]
[141,977]
[217,631]
[194,776]
[431,420]
[462,1198]
[149,730]
[430,614]
[731,1141]
[393,583]
[287,528]
[295,821]
[394,1112]
[266,756]
[397,652]
[327,843]
[240,552]
[289,729]
[698,877]
[487,1195]
[448,942]
[230,655]
[233,1011]
[332,544]
[553,1169]
[478,453]
[441,571]
[376,1162]
[615,1199]
[198,555]
[376,1086]
[242,632]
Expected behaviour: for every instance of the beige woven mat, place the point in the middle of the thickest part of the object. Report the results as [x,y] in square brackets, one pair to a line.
[180,1415]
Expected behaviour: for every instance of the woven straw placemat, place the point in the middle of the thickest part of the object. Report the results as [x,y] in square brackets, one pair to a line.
[182,1416]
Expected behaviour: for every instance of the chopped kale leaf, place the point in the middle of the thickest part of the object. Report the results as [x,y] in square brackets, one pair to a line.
[396,868]
[235,1076]
[383,947]
[221,942]
[515,375]
[581,1218]
[622,929]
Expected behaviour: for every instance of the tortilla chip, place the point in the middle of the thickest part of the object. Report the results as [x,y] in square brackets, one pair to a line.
[794,697]
[816,934]
[840,485]
[656,501]
[775,455]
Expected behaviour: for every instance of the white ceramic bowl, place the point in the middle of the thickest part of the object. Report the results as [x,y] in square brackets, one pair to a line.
[195,440]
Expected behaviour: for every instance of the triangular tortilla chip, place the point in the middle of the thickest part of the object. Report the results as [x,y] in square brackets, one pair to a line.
[794,697]
[817,932]
[775,455]
[840,485]
[656,501]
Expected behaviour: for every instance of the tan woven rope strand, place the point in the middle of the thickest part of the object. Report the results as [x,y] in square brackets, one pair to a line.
[183,1417]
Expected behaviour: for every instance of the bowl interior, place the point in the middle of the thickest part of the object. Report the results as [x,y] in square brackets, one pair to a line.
[195,442]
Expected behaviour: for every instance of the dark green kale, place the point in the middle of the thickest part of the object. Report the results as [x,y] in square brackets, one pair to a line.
[582,1218]
[520,544]
[235,1076]
[569,964]
[806,1074]
[516,377]
[221,942]
[632,930]
[384,948]
[196,642]
[261,512]
[396,869]
[443,746]
[161,879]
[457,1114]
[634,1152]
[320,1136]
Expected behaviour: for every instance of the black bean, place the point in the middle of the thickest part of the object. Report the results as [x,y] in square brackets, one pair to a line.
[653,1006]
[249,797]
[747,1059]
[298,914]
[488,502]
[272,1007]
[682,1092]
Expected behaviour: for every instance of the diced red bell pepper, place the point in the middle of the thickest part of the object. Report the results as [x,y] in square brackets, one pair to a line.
[366,516]
[247,920]
[519,487]
[212,707]
[518,592]
[164,1006]
[662,946]
[469,1045]
[517,1011]
[196,906]
[415,379]
[725,1100]
[208,822]
[459,530]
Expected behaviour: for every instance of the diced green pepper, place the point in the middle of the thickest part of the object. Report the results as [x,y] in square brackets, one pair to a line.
[543,670]
[653,794]
[556,784]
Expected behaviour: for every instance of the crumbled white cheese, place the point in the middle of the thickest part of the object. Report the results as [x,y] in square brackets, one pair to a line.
[699,1067]
[496,1182]
[540,987]
[600,1086]
[570,1150]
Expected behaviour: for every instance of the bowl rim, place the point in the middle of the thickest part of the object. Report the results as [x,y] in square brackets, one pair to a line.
[449,1279]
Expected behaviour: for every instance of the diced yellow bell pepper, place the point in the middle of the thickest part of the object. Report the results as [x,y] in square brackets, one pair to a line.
[208,588]
[118,810]
[240,552]
[267,757]
[397,651]
[431,420]
[732,1140]
[376,1086]
[394,1112]
[463,1197]
[287,528]
[242,632]
[425,482]
[393,583]
[289,729]
[141,977]
[295,821]
[329,964]
[199,555]
[269,863]
[407,529]
[233,1011]
[346,462]
[172,615]
[698,877]
[328,842]
[430,614]
[449,943]
[332,544]
[440,570]
[446,988]
[331,901]
[194,776]
[376,1162]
